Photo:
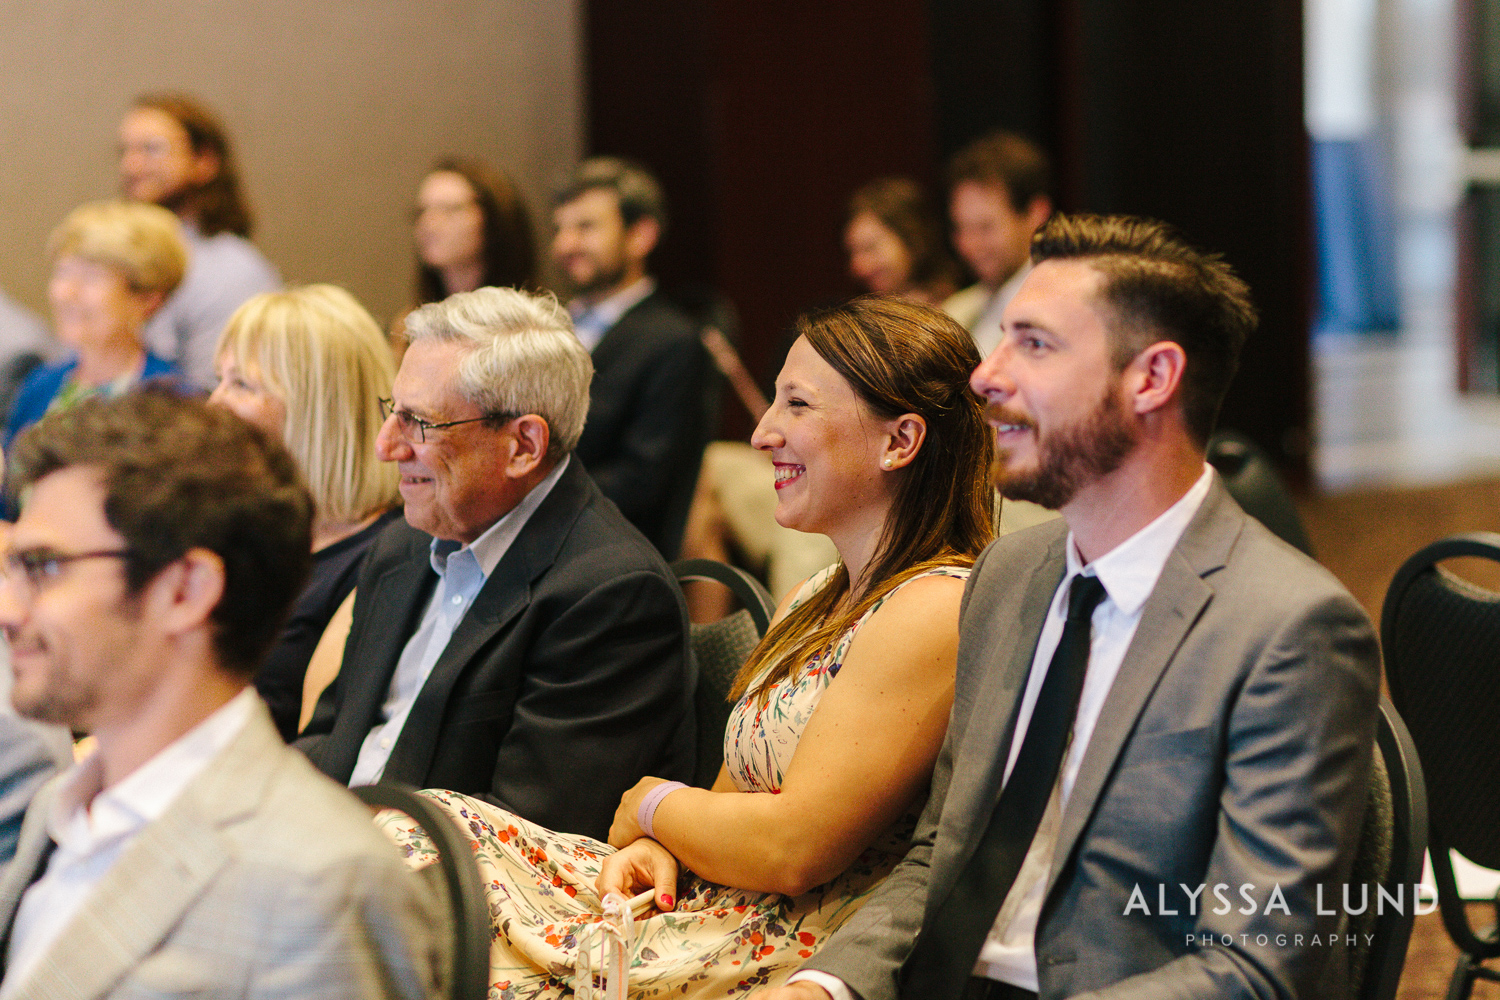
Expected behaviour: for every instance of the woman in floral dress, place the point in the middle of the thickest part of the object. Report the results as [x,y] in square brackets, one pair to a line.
[877,443]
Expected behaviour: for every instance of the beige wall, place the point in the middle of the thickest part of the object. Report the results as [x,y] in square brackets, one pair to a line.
[335,113]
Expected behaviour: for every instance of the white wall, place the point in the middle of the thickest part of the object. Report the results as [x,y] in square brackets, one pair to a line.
[335,113]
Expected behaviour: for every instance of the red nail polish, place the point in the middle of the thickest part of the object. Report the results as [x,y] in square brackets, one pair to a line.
[666,902]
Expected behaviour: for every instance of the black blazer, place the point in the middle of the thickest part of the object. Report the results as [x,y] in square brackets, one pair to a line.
[646,426]
[569,678]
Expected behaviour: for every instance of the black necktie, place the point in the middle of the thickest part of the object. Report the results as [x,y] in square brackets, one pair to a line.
[948,946]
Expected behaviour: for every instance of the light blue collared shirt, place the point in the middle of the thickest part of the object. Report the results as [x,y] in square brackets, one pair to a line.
[461,572]
[592,321]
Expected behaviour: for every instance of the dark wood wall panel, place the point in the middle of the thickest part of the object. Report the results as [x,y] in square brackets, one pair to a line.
[763,117]
[1192,113]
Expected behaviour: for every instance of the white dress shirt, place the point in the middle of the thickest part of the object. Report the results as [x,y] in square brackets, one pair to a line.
[92,827]
[591,321]
[1129,573]
[462,571]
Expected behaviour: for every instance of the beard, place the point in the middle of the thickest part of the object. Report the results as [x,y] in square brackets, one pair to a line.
[606,275]
[1068,458]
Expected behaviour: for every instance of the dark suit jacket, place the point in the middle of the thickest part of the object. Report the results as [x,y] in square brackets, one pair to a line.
[1234,747]
[569,678]
[646,426]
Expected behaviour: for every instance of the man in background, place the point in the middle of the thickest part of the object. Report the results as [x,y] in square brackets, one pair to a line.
[997,198]
[175,153]
[646,425]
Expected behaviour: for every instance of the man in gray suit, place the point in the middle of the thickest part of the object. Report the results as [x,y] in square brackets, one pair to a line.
[1182,825]
[192,854]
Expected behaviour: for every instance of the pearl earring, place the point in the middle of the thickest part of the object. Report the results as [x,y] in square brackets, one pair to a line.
[887,463]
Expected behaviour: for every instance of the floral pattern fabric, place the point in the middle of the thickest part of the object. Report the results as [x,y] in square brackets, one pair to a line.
[719,941]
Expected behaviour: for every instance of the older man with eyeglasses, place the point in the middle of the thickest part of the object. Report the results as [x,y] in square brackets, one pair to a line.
[516,639]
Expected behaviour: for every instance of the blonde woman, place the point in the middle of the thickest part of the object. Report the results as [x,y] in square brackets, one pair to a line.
[113,264]
[309,366]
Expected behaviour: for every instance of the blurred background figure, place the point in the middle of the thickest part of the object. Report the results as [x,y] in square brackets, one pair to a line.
[175,153]
[472,229]
[650,401]
[998,196]
[895,242]
[113,265]
[309,366]
[24,344]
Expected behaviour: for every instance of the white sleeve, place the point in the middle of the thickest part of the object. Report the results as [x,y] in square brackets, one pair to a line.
[835,986]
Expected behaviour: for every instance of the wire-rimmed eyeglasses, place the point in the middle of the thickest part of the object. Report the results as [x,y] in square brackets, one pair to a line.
[414,428]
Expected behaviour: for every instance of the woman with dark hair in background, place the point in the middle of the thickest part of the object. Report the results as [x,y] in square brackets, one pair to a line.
[472,230]
[840,710]
[895,242]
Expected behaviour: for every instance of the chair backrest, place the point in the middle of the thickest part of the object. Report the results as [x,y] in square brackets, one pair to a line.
[1441,638]
[1391,845]
[1255,485]
[721,648]
[458,881]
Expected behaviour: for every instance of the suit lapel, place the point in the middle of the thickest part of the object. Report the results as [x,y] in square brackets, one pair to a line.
[504,595]
[1006,653]
[163,871]
[395,610]
[1180,595]
[32,851]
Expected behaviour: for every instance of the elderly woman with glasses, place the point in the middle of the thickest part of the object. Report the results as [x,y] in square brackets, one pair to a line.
[309,366]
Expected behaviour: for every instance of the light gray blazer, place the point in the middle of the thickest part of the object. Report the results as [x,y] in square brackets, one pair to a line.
[1234,747]
[263,879]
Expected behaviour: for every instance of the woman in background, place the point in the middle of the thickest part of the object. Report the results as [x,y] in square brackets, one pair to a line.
[113,264]
[309,367]
[841,708]
[895,242]
[472,230]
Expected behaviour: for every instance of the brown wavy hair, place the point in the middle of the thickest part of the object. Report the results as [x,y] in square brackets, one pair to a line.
[899,357]
[218,206]
[508,244]
[900,204]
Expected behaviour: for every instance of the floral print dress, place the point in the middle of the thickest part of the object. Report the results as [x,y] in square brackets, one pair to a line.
[718,941]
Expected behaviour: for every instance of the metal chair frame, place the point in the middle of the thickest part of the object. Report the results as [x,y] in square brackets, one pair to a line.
[460,878]
[757,605]
[1475,947]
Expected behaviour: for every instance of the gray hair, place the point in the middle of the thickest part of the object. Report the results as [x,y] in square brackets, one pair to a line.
[524,356]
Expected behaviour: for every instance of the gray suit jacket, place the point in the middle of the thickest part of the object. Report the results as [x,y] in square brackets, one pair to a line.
[1233,748]
[262,879]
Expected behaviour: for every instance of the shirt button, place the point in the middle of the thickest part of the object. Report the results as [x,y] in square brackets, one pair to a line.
[457,599]
[385,743]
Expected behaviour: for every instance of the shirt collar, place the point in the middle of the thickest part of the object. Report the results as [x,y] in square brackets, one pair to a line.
[84,809]
[606,312]
[1130,570]
[491,546]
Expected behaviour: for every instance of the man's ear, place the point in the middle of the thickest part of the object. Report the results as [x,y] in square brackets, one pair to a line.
[1038,211]
[531,439]
[1154,376]
[184,594]
[641,237]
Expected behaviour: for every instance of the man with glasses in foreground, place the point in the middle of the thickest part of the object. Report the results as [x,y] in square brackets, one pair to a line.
[516,639]
[159,548]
